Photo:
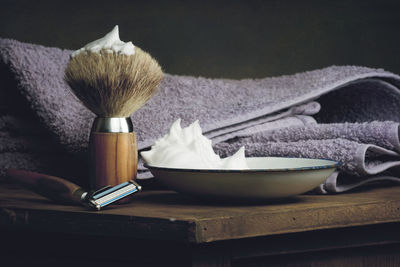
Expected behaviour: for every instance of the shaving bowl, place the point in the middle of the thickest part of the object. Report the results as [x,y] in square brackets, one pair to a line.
[266,178]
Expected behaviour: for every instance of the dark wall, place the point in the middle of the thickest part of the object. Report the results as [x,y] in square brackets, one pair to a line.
[221,38]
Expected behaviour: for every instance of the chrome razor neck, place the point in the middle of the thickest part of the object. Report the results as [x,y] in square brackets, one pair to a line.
[112,125]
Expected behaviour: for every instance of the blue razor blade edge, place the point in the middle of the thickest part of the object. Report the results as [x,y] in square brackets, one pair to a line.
[112,189]
[119,197]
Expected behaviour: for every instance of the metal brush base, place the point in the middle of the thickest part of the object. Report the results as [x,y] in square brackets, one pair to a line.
[112,125]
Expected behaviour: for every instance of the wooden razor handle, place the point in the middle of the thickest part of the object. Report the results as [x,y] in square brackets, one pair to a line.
[54,188]
[113,158]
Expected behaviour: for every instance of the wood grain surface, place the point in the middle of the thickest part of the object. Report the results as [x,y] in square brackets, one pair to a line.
[166,215]
[113,158]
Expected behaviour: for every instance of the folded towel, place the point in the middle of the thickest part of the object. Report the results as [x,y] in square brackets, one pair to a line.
[24,145]
[219,104]
[227,109]
[367,150]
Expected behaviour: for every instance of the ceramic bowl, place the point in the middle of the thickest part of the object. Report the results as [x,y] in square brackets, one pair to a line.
[266,178]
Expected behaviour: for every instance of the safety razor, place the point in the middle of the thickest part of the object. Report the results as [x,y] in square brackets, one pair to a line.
[63,191]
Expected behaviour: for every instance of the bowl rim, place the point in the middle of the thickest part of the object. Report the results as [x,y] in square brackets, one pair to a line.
[333,165]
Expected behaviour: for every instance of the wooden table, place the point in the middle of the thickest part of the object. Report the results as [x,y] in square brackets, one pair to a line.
[163,228]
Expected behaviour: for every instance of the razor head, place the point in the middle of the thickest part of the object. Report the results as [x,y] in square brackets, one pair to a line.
[110,194]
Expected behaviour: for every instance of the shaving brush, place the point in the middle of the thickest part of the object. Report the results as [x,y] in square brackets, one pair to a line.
[113,86]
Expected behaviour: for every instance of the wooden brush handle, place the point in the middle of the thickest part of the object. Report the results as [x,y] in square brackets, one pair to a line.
[113,158]
[54,188]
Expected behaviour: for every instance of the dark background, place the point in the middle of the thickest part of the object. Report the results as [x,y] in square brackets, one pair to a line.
[233,39]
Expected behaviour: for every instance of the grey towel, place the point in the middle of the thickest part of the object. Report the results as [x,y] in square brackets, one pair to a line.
[369,151]
[24,145]
[226,108]
[219,104]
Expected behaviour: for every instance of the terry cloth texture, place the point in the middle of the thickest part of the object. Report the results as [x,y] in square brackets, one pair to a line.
[228,110]
[368,151]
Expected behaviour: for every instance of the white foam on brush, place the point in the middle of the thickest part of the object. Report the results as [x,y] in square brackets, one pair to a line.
[109,43]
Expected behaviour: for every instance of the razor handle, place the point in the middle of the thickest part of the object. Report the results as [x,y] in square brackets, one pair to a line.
[54,188]
[63,191]
[113,155]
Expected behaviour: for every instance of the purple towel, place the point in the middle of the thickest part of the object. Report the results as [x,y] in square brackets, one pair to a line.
[369,151]
[230,111]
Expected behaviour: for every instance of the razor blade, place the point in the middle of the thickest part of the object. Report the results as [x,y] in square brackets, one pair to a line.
[110,194]
[64,191]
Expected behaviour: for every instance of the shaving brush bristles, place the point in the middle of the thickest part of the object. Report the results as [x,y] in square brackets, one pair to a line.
[113,84]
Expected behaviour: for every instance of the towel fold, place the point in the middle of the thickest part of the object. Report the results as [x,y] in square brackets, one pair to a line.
[357,158]
[367,150]
[24,145]
[270,116]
